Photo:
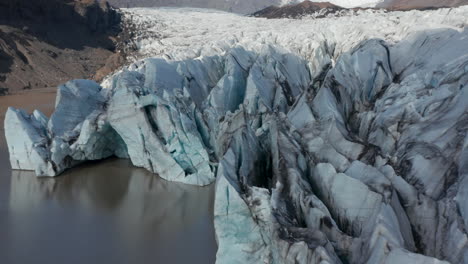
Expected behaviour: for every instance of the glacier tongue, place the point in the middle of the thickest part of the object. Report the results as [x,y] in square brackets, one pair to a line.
[367,168]
[330,157]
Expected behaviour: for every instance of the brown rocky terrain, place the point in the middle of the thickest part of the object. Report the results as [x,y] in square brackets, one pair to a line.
[298,10]
[44,43]
[321,9]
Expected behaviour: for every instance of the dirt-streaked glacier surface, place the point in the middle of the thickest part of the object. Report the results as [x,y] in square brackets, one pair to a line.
[334,140]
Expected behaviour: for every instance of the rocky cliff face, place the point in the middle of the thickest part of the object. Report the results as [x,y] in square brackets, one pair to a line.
[45,43]
[95,16]
[322,9]
[298,10]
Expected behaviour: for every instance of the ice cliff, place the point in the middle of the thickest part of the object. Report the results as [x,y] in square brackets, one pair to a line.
[364,165]
[343,156]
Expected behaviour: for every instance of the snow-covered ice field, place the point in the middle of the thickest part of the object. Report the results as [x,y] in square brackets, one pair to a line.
[181,33]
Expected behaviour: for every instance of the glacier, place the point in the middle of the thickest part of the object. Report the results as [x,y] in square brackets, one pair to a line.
[323,148]
[237,6]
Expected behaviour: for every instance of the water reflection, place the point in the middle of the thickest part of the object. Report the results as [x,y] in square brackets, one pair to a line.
[107,212]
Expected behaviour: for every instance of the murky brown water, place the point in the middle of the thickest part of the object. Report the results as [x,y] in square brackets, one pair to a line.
[102,212]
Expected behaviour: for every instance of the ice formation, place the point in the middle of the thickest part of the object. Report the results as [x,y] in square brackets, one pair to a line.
[236,6]
[324,149]
[183,33]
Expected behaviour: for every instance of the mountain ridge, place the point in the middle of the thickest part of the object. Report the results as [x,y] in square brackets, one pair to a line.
[321,9]
[45,43]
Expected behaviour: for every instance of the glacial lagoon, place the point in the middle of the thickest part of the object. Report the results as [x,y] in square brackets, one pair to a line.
[99,212]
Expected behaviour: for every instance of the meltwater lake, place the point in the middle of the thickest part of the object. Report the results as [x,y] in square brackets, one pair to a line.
[99,212]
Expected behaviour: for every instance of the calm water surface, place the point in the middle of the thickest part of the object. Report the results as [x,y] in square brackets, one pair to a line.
[100,212]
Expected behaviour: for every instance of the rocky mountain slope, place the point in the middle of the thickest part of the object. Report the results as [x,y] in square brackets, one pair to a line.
[337,140]
[321,9]
[46,43]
